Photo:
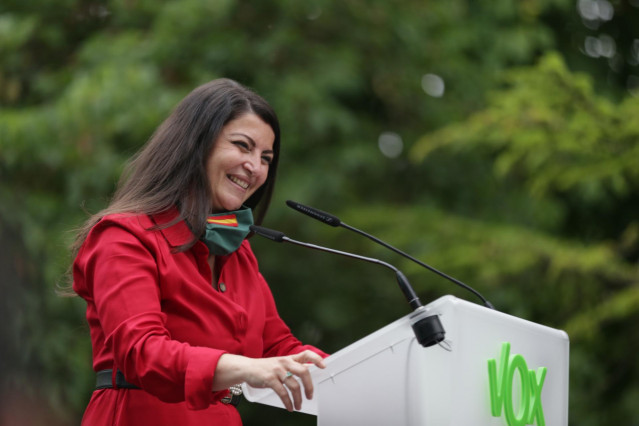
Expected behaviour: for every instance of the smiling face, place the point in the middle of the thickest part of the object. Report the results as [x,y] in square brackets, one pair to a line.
[239,161]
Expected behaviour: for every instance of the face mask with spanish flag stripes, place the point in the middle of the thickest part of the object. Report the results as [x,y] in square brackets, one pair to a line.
[226,231]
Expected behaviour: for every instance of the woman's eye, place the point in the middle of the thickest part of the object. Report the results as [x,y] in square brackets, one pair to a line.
[243,145]
[267,159]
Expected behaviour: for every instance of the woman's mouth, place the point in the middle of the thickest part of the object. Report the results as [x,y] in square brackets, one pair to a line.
[242,183]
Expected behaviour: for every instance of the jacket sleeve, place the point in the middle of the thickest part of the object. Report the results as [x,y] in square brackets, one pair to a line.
[121,276]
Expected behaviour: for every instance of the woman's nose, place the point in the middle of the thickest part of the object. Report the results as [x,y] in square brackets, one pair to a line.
[252,164]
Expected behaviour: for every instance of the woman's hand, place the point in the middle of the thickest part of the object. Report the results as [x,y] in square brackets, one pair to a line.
[270,373]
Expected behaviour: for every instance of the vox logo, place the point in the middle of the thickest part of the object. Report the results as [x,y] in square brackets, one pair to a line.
[501,380]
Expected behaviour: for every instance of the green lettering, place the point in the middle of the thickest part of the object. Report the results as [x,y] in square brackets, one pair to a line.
[500,382]
[517,363]
[536,384]
[497,381]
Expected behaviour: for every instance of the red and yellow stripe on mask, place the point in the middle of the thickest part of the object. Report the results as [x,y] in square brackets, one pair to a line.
[224,220]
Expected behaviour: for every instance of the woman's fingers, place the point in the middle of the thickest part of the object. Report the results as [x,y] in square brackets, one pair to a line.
[309,357]
[297,377]
[286,375]
[295,390]
[303,358]
[307,381]
[281,391]
[304,375]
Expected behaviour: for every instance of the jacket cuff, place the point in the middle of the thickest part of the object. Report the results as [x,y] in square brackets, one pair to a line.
[198,380]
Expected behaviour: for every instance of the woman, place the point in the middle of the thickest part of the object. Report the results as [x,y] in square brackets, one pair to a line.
[178,311]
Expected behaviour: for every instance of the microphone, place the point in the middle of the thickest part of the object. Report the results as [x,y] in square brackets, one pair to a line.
[428,330]
[407,289]
[334,221]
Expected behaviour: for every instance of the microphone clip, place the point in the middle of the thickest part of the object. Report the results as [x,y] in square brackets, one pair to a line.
[428,329]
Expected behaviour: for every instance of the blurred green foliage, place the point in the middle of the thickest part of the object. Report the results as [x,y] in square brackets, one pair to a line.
[511,163]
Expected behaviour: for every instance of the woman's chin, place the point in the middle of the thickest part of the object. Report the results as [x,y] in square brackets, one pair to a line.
[227,207]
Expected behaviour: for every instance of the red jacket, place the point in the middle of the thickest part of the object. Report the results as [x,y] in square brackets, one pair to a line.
[154,315]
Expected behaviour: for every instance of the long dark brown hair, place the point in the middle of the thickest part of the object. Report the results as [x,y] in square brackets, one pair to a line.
[170,169]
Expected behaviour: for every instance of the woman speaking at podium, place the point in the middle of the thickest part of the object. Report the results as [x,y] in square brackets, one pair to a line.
[178,311]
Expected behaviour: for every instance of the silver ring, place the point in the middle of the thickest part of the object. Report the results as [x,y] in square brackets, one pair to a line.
[288,374]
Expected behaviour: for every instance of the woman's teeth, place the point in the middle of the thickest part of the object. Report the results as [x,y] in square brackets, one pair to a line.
[240,182]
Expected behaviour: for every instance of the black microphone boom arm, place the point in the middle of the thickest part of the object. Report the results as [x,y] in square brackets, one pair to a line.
[428,329]
[335,221]
[404,285]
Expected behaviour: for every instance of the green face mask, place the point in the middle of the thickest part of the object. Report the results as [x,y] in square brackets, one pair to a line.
[226,231]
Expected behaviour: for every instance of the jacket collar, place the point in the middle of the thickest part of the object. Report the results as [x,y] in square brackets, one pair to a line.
[177,234]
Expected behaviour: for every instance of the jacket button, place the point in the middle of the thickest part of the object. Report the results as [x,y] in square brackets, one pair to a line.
[222,287]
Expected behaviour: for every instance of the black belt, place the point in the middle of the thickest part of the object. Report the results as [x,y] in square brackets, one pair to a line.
[104,380]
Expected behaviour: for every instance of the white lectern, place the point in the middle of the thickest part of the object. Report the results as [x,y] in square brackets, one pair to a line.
[491,369]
